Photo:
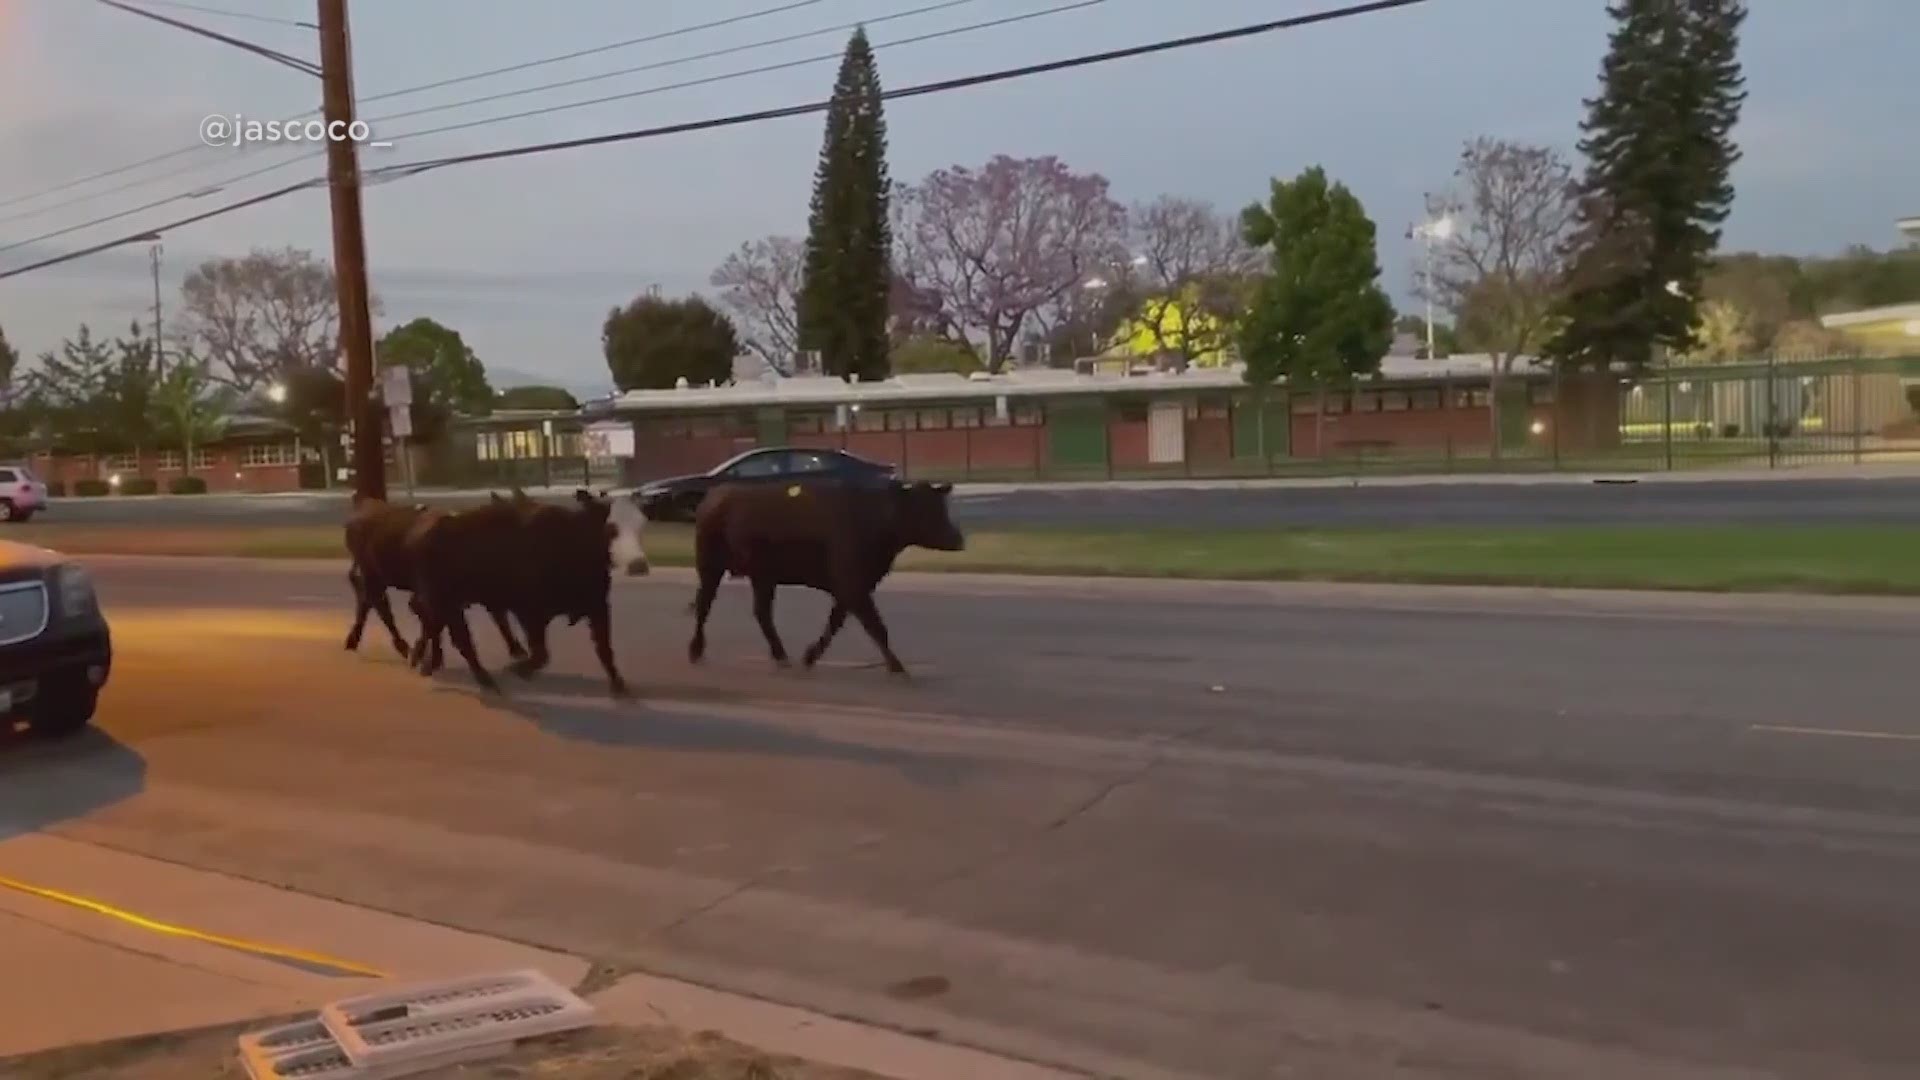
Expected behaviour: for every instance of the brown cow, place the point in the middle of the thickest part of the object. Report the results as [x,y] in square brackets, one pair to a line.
[376,533]
[537,560]
[841,540]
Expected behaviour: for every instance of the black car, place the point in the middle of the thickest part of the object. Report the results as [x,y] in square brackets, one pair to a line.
[55,649]
[676,498]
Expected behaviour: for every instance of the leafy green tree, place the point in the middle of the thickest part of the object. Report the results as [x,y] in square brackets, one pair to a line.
[847,275]
[535,397]
[1659,148]
[314,402]
[191,406]
[653,342]
[98,396]
[447,370]
[929,355]
[1318,317]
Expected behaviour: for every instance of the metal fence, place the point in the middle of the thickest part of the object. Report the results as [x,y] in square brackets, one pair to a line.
[1774,413]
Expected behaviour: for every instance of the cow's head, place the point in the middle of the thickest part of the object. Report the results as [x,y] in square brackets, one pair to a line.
[624,523]
[922,518]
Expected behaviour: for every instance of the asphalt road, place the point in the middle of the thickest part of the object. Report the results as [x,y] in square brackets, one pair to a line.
[1144,829]
[1884,500]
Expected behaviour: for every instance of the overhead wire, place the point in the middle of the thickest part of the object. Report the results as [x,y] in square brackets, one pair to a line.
[662,35]
[416,168]
[181,5]
[648,91]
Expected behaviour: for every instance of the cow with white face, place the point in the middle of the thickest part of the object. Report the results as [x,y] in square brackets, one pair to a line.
[539,561]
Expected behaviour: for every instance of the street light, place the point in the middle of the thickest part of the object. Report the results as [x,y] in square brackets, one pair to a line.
[277,394]
[1440,228]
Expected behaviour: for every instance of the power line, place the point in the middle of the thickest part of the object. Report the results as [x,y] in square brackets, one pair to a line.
[792,5]
[671,62]
[393,172]
[609,47]
[179,5]
[675,61]
[743,73]
[274,55]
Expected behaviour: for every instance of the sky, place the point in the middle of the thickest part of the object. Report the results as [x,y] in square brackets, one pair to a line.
[526,257]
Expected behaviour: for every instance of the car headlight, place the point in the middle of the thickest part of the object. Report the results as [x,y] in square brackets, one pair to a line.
[76,592]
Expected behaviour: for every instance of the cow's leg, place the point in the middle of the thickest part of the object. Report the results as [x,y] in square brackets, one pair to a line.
[835,620]
[463,641]
[702,605]
[514,648]
[600,625]
[869,616]
[377,591]
[426,656]
[360,608]
[763,588]
[527,666]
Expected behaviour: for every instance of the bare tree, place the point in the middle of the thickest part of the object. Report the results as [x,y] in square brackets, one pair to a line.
[257,318]
[1502,263]
[760,285]
[1001,245]
[1190,265]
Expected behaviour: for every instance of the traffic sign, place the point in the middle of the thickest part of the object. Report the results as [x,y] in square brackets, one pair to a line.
[401,419]
[397,387]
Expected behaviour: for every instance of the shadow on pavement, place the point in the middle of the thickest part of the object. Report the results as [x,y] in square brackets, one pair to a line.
[45,783]
[578,708]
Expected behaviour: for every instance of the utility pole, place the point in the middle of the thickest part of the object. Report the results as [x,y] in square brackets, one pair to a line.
[159,357]
[350,250]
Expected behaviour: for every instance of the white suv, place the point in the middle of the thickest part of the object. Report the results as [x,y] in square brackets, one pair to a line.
[22,495]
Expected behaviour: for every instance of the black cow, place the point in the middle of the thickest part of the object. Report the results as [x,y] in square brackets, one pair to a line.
[841,540]
[376,534]
[537,560]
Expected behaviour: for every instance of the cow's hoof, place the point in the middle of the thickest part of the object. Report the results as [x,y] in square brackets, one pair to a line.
[524,668]
[897,669]
[696,653]
[782,662]
[810,658]
[620,692]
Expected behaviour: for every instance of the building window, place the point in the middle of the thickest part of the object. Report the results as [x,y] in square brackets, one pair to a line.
[1540,393]
[1425,399]
[812,423]
[259,454]
[1394,401]
[1366,401]
[113,463]
[966,418]
[1214,408]
[932,419]
[870,420]
[1027,414]
[1308,403]
[1473,397]
[899,419]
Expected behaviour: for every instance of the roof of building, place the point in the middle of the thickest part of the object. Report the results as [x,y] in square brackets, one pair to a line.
[1022,382]
[1872,316]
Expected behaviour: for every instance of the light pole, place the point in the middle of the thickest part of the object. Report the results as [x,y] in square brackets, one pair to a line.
[153,254]
[1440,228]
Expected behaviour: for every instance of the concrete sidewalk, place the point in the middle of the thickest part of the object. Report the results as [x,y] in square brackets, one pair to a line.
[121,946]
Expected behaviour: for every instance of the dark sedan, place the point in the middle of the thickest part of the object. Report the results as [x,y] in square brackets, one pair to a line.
[676,498]
[55,648]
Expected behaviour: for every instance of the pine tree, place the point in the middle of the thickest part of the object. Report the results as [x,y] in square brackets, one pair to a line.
[849,254]
[1659,148]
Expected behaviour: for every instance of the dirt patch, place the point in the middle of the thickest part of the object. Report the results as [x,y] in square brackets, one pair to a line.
[602,1053]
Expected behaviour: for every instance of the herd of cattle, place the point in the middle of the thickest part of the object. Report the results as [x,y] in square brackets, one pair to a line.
[530,562]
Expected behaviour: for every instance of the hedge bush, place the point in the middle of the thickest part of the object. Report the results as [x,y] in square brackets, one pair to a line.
[56,489]
[88,489]
[139,485]
[186,485]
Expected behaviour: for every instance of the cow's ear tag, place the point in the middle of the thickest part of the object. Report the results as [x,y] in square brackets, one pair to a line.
[793,492]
